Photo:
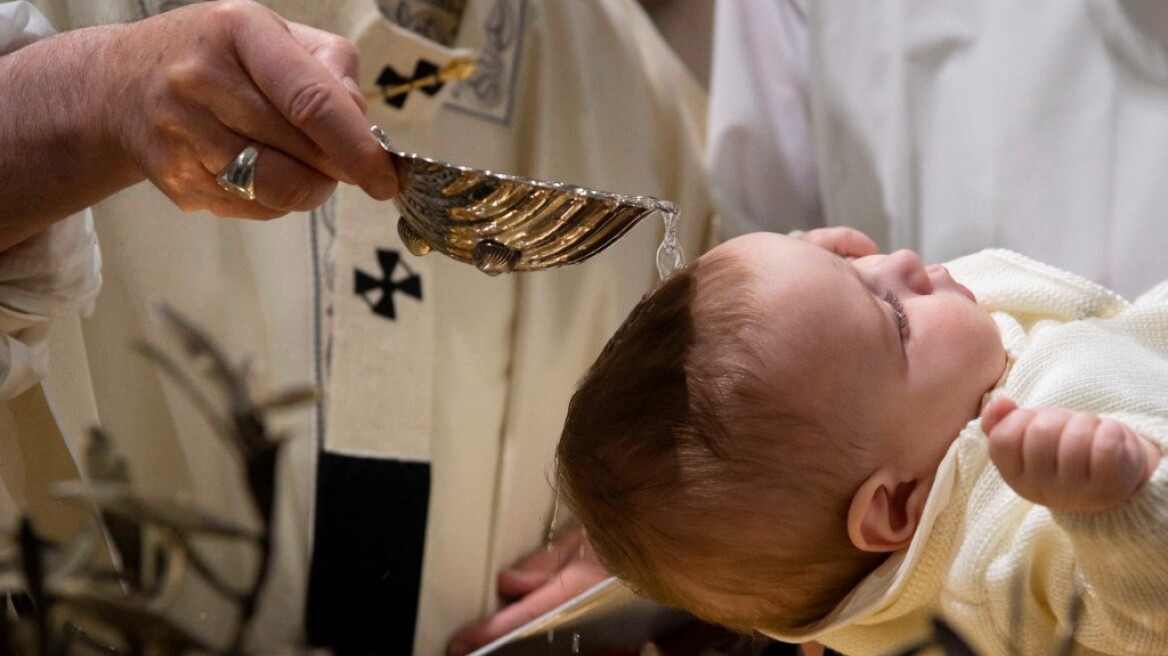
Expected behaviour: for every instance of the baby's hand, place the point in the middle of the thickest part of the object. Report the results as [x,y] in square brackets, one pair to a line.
[1067,460]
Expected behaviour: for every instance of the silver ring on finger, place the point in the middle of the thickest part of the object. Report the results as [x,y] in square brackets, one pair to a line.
[238,177]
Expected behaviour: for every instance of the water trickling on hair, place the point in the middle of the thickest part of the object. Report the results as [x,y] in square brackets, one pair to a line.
[670,256]
[549,536]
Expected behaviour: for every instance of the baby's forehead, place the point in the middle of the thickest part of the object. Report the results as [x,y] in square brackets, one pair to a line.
[775,255]
[775,276]
[791,315]
[754,245]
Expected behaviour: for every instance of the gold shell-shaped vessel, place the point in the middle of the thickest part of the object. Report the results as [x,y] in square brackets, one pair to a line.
[503,223]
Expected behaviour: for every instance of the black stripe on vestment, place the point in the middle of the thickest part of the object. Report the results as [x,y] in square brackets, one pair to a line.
[367,554]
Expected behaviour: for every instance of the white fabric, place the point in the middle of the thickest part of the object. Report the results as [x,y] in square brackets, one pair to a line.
[761,149]
[20,25]
[947,126]
[1072,344]
[590,95]
[52,275]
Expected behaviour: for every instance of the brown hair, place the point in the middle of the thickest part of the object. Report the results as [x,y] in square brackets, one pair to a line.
[694,484]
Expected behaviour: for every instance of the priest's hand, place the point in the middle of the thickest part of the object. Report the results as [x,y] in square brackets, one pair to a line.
[539,582]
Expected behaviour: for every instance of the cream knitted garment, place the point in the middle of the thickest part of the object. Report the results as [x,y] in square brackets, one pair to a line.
[1071,344]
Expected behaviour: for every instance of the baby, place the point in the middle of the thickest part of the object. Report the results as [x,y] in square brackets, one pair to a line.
[841,445]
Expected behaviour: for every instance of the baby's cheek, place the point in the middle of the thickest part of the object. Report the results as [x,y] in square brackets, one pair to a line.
[986,355]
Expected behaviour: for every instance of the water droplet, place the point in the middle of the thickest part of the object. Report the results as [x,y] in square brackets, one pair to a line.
[575,643]
[549,535]
[670,255]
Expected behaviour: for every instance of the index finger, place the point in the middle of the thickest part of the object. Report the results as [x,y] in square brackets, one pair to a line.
[337,54]
[313,101]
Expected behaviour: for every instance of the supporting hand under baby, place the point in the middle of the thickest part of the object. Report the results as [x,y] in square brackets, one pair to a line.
[1065,459]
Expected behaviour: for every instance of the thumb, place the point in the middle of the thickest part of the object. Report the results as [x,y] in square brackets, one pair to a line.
[995,411]
[538,566]
[519,581]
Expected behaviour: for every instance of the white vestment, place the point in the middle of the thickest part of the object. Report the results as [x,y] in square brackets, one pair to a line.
[949,126]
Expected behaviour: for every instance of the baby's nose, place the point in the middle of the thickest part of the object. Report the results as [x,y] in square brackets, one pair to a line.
[910,271]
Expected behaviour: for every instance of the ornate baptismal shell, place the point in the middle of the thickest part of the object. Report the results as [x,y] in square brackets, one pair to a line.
[503,223]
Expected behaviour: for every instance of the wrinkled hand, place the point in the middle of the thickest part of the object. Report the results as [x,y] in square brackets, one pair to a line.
[1067,460]
[843,241]
[538,583]
[201,82]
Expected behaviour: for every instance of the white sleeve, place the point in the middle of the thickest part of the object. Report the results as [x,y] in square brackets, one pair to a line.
[20,25]
[56,272]
[761,156]
[1120,555]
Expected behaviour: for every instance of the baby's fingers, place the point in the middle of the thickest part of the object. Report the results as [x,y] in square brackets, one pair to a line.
[1067,460]
[1005,424]
[1024,446]
[1074,448]
[1118,463]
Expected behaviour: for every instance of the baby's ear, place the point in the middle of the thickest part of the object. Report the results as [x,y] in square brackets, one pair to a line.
[886,511]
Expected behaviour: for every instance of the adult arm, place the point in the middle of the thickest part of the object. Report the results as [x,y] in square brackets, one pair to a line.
[56,273]
[172,99]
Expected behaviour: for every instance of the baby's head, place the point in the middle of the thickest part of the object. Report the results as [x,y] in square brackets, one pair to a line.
[764,428]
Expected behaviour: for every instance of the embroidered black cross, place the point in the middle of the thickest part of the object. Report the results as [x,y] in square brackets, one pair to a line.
[396,87]
[366,286]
